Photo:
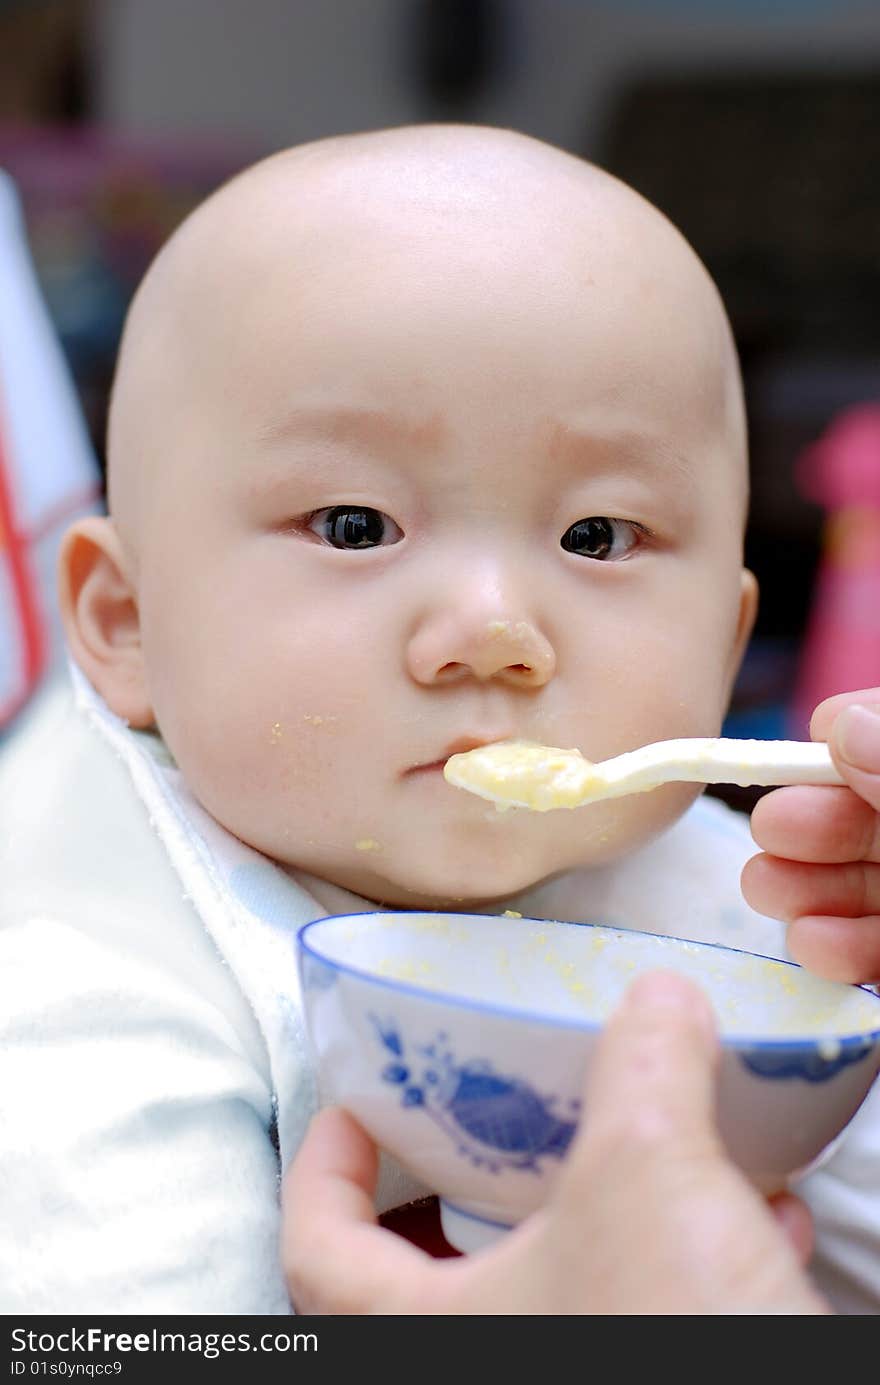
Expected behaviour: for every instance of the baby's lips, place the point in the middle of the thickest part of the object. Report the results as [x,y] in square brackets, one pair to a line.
[466,743]
[459,746]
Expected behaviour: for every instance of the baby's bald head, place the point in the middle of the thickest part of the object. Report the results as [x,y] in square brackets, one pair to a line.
[388,202]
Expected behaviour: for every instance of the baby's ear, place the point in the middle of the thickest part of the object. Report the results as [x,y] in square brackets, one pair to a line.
[101,618]
[748,610]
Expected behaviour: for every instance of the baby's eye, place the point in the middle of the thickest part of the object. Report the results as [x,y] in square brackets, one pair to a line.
[354,526]
[602,538]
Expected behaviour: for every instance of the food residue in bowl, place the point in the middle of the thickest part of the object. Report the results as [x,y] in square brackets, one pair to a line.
[580,973]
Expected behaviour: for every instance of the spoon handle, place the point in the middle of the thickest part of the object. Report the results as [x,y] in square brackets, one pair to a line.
[717,760]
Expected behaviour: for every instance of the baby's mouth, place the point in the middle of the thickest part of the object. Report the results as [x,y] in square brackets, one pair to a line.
[456,747]
[436,767]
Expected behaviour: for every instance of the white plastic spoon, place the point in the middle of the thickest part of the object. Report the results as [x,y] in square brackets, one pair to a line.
[522,774]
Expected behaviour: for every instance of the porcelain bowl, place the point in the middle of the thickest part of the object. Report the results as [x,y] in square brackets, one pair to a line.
[461,1044]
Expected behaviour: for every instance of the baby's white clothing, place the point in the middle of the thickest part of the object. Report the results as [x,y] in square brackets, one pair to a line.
[154,1072]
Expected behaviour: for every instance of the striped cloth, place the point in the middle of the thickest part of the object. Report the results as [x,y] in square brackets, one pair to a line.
[48,470]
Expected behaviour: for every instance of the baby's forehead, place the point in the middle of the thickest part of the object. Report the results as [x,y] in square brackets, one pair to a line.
[399,219]
[403,204]
[441,183]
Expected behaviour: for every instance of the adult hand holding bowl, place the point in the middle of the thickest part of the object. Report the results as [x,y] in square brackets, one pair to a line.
[648,1215]
[461,1044]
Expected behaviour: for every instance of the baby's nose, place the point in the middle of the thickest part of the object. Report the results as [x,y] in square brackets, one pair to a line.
[516,652]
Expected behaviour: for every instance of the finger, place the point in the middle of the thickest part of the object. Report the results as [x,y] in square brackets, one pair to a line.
[837,949]
[796,1221]
[821,825]
[854,742]
[336,1257]
[828,711]
[338,1157]
[787,890]
[652,1081]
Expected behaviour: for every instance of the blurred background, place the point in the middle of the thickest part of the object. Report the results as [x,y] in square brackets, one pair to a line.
[754,124]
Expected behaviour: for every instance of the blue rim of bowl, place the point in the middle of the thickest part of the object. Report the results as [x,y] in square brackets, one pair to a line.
[475,1216]
[846,1041]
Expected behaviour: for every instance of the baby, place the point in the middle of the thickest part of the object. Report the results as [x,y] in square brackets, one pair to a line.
[419,439]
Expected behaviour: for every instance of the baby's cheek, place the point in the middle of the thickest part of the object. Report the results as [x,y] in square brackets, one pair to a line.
[621,825]
[661,688]
[310,784]
[241,766]
[289,768]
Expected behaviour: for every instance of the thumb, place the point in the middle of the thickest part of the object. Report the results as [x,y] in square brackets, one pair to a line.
[336,1257]
[652,1082]
[854,742]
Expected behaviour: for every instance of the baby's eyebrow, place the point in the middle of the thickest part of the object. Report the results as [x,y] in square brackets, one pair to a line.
[370,427]
[597,450]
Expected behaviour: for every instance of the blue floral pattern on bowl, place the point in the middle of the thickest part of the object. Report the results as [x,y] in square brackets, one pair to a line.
[496,1121]
[812,1066]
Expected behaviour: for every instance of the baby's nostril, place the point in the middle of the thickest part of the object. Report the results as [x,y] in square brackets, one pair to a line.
[453,671]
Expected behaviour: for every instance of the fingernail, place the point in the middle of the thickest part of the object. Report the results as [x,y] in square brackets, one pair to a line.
[856,734]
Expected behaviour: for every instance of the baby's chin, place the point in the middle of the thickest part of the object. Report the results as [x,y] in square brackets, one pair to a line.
[392,895]
[472,870]
[402,876]
[485,871]
[462,881]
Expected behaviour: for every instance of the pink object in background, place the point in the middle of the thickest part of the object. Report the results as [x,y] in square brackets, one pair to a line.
[841,649]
